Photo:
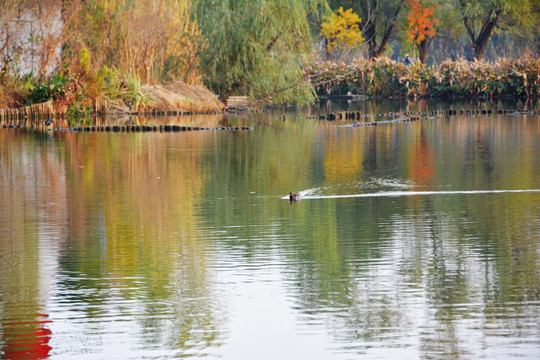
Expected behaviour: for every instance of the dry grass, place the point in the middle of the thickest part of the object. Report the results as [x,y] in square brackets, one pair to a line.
[176,96]
[180,96]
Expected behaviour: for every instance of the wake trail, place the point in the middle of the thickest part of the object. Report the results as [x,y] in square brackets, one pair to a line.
[413,193]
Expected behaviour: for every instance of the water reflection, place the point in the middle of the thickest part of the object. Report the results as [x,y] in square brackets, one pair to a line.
[25,340]
[176,245]
[206,121]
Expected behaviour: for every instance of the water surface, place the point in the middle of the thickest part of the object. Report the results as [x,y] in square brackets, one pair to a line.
[414,240]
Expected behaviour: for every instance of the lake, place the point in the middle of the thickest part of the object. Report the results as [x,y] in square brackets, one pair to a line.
[412,240]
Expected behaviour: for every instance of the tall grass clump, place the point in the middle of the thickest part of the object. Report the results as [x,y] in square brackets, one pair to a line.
[125,88]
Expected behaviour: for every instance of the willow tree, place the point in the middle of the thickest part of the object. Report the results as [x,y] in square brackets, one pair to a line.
[379,18]
[257,47]
[482,18]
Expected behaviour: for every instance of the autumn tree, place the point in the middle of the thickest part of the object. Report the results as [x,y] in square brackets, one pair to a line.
[421,23]
[482,18]
[341,31]
[379,21]
[154,39]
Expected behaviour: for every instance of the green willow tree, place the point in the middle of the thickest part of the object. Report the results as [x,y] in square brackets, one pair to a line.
[482,18]
[258,47]
[379,19]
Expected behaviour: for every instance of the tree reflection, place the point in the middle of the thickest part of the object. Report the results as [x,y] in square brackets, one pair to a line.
[129,232]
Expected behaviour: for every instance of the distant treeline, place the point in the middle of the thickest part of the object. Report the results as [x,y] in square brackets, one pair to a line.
[384,78]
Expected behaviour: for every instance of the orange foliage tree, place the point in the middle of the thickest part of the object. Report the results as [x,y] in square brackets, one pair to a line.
[421,27]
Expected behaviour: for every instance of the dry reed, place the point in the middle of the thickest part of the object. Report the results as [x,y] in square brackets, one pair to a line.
[452,79]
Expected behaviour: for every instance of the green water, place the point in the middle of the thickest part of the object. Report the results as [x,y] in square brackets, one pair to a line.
[414,240]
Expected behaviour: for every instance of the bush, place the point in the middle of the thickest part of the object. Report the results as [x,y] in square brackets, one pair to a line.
[84,60]
[45,90]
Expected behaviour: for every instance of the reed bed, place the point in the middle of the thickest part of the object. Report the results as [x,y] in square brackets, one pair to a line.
[384,78]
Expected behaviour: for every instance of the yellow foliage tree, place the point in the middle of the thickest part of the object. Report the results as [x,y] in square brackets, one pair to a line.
[341,31]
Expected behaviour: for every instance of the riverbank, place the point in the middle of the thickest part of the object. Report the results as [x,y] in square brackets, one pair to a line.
[67,99]
[81,96]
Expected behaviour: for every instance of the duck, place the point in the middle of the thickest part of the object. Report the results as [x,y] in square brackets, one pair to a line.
[293,197]
[49,122]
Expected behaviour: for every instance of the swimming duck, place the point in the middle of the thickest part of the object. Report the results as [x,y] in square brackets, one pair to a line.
[293,197]
[49,122]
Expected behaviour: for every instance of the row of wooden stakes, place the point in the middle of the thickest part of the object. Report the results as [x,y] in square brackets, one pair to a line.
[376,123]
[358,115]
[487,112]
[139,128]
[45,110]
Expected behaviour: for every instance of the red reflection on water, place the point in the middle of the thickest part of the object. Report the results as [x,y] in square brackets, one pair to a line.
[422,164]
[25,340]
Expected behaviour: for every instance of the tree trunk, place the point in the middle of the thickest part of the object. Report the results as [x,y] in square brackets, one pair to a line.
[369,29]
[369,34]
[385,39]
[327,52]
[423,48]
[479,44]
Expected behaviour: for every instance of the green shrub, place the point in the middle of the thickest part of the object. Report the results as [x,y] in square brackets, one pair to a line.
[84,60]
[44,90]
